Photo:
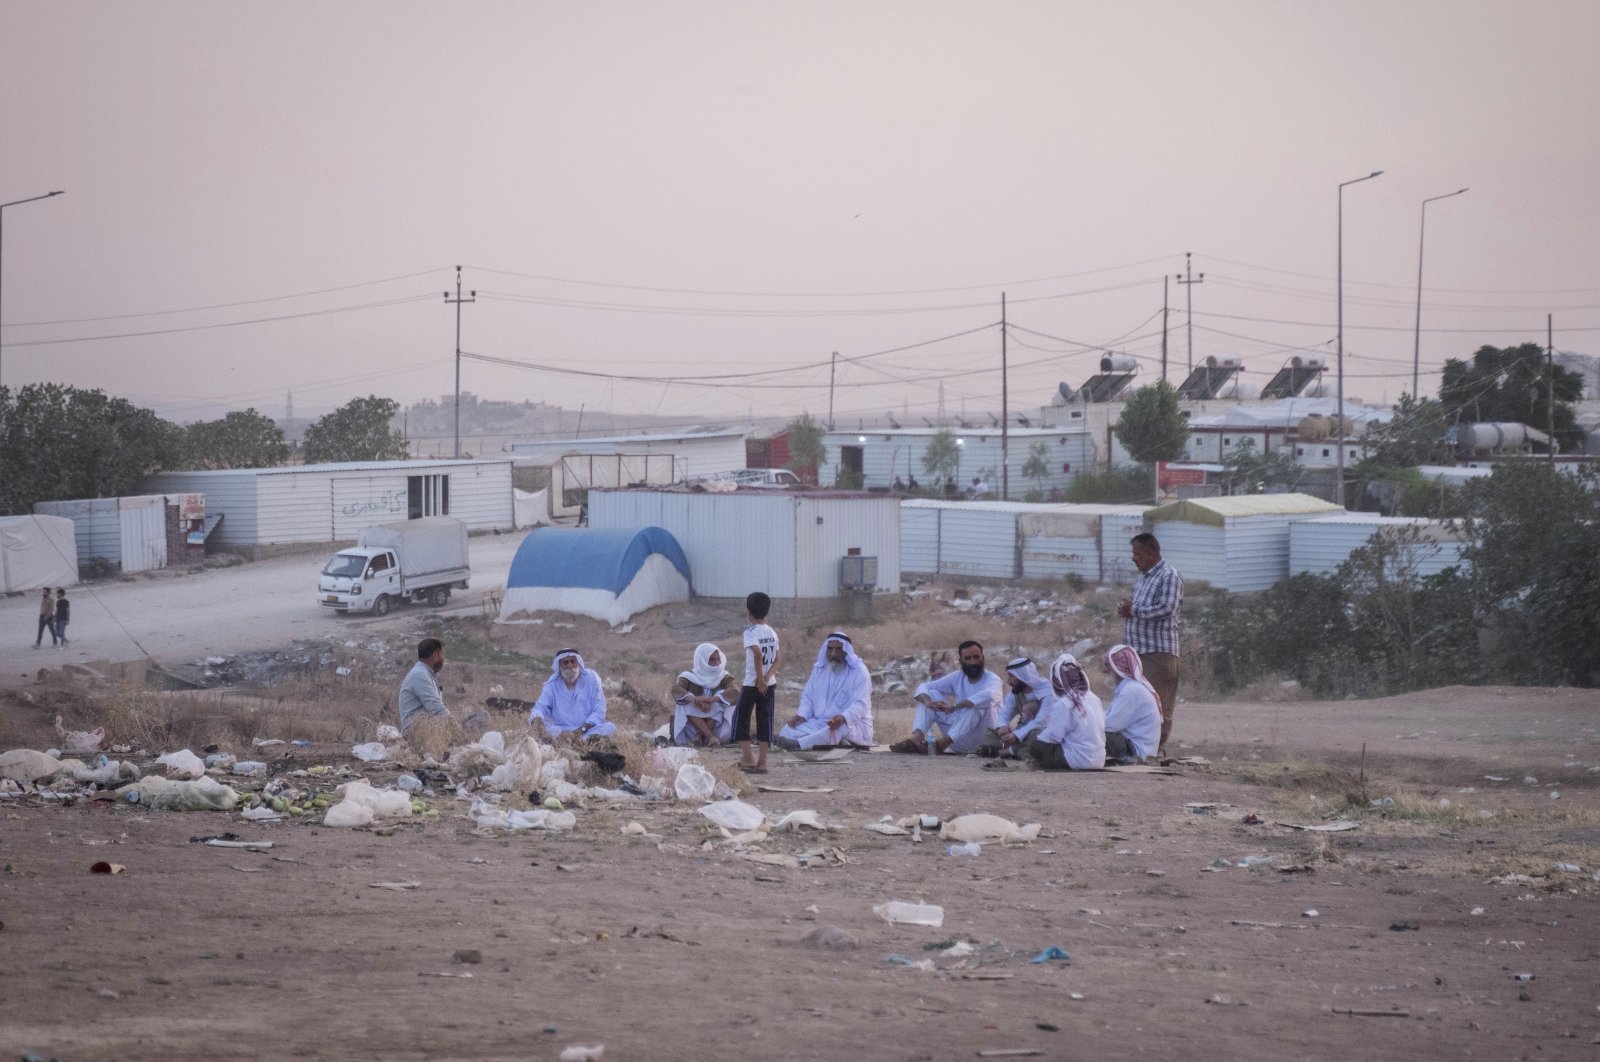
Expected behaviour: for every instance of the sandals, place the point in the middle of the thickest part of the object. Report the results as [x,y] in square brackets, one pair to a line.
[752,769]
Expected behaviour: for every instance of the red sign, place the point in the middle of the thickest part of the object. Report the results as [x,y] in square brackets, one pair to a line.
[1171,478]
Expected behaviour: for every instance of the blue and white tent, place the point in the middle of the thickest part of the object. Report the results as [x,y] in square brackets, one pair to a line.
[607,574]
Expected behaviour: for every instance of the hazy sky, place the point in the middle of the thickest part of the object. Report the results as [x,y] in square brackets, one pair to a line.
[697,189]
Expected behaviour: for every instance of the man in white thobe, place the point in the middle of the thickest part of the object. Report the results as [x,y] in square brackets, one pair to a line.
[836,705]
[572,700]
[962,705]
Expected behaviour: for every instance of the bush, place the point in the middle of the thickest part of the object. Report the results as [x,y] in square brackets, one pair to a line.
[1128,486]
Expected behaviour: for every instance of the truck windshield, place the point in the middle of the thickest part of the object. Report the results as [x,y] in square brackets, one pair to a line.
[346,565]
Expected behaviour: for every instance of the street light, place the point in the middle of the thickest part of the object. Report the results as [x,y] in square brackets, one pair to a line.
[1416,342]
[14,202]
[1338,486]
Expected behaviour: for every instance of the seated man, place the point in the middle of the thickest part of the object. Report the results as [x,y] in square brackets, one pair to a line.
[425,722]
[1019,714]
[705,696]
[1133,718]
[836,705]
[961,704]
[572,701]
[1072,731]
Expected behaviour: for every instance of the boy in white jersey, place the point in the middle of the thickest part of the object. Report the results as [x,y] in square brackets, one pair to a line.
[761,658]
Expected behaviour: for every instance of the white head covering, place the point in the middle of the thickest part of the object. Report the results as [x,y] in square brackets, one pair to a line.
[1068,680]
[1023,670]
[1124,663]
[562,654]
[850,657]
[703,674]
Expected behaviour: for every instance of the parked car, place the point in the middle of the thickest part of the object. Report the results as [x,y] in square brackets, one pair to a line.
[767,478]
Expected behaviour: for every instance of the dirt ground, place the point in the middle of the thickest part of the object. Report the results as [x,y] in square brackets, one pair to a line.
[672,946]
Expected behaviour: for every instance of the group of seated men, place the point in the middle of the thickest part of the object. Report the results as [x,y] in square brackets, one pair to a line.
[1056,722]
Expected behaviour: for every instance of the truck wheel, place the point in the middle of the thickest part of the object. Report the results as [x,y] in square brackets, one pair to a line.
[380,607]
[438,596]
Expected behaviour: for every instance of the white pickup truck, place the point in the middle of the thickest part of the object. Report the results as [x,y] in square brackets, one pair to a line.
[414,560]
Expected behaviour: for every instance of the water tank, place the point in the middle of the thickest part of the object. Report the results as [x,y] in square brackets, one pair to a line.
[1297,362]
[1118,363]
[1214,362]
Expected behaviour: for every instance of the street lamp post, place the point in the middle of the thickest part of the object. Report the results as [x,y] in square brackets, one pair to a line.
[1338,486]
[1416,342]
[14,202]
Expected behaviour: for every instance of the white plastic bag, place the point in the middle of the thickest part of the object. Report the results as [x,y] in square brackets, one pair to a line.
[734,815]
[388,733]
[249,769]
[796,819]
[348,813]
[182,764]
[27,766]
[493,740]
[910,914]
[385,803]
[485,814]
[82,740]
[520,772]
[694,782]
[668,760]
[989,828]
[370,752]
[167,794]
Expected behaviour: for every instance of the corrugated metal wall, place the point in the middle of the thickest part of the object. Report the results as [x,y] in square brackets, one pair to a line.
[231,493]
[1003,540]
[883,457]
[143,531]
[919,540]
[96,526]
[1117,528]
[1196,550]
[762,540]
[1320,545]
[1258,551]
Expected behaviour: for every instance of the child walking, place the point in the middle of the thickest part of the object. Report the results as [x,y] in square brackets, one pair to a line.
[761,658]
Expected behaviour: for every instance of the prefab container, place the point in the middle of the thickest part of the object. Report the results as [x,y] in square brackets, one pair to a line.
[787,544]
[128,532]
[1238,543]
[1321,544]
[1008,540]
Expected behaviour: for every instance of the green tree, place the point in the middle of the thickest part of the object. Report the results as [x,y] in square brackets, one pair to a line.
[1413,436]
[1512,385]
[238,440]
[806,451]
[60,442]
[1152,428]
[942,457]
[1036,467]
[1247,470]
[357,431]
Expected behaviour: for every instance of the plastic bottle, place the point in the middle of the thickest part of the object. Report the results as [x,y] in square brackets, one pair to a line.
[971,848]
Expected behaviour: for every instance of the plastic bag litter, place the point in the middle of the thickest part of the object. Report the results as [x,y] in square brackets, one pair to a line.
[694,782]
[181,764]
[249,769]
[989,828]
[520,772]
[262,814]
[668,760]
[553,770]
[81,741]
[734,815]
[104,773]
[483,814]
[348,813]
[388,733]
[409,783]
[27,766]
[167,794]
[796,819]
[370,752]
[910,914]
[385,803]
[583,1053]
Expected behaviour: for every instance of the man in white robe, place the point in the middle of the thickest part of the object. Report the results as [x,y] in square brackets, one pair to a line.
[962,705]
[572,701]
[1072,724]
[836,704]
[704,697]
[1133,718]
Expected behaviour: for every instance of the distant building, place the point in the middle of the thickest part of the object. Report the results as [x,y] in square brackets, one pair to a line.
[872,459]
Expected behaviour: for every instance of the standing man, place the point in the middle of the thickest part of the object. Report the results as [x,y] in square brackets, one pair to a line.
[47,620]
[1151,618]
[63,616]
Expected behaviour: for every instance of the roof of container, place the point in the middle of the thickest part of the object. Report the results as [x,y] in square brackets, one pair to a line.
[1287,413]
[1083,509]
[965,433]
[578,442]
[1373,518]
[340,466]
[1215,511]
[821,493]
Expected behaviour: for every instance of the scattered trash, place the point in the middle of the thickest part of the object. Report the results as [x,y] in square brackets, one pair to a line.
[408,783]
[262,813]
[1253,860]
[1383,802]
[103,867]
[959,950]
[81,742]
[1074,995]
[1477,911]
[490,817]
[249,769]
[182,764]
[887,829]
[1402,927]
[580,1052]
[370,752]
[27,766]
[467,956]
[1555,794]
[910,914]
[926,965]
[634,829]
[1252,819]
[1355,1013]
[1571,868]
[1338,826]
[1309,913]
[971,848]
[989,828]
[347,814]
[231,841]
[1523,977]
[694,782]
[165,794]
[396,886]
[734,815]
[796,819]
[1051,954]
[1009,1052]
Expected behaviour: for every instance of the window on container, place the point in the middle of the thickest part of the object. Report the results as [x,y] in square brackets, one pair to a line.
[1226,441]
[427,496]
[1324,451]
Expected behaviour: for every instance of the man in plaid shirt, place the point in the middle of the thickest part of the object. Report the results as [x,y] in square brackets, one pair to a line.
[1150,625]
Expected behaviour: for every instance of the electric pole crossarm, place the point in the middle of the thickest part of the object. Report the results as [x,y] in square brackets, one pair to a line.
[457,301]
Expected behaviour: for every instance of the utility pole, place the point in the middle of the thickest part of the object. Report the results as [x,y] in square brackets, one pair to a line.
[1188,280]
[457,301]
[833,365]
[1005,410]
[1165,279]
[1550,394]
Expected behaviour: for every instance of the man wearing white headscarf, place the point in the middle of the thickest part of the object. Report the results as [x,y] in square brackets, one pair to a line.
[1019,715]
[705,696]
[1133,718]
[572,701]
[1072,731]
[836,705]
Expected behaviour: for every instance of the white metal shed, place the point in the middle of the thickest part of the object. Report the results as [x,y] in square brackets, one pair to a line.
[880,455]
[333,502]
[1321,544]
[785,543]
[1009,540]
[128,532]
[1239,543]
